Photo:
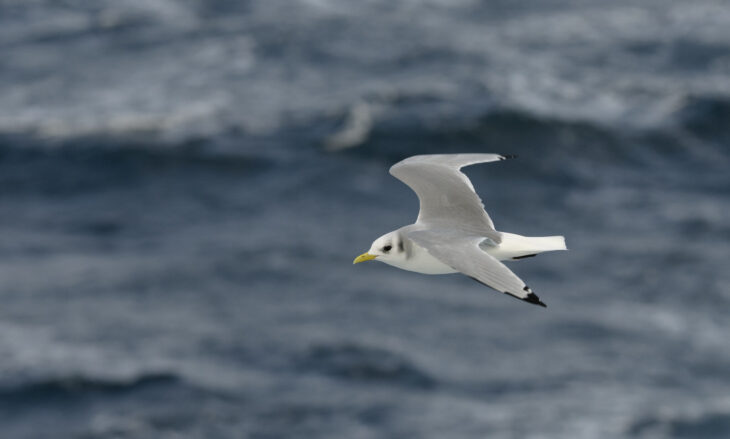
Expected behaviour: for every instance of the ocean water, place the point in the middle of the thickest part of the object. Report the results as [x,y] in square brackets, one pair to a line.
[184,185]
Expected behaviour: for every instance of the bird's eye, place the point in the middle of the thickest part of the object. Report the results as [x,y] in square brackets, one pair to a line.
[387,248]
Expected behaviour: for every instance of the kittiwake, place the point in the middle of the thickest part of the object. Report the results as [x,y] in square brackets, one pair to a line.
[453,233]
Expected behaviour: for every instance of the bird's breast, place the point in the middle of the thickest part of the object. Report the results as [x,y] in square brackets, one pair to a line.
[421,261]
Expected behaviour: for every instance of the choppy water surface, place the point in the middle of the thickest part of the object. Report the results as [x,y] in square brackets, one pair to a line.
[183,187]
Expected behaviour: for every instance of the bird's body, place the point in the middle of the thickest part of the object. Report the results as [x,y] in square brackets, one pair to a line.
[512,247]
[453,232]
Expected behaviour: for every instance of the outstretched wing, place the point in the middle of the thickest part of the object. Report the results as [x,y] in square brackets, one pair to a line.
[446,195]
[461,252]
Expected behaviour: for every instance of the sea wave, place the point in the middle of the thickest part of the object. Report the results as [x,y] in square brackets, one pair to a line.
[77,386]
[711,424]
[360,363]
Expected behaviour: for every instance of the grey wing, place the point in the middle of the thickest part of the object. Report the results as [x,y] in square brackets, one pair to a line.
[446,195]
[462,253]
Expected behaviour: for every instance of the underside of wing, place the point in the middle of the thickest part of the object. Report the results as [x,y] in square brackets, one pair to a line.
[445,194]
[462,253]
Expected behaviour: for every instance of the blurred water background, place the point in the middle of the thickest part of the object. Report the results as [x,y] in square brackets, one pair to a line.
[184,185]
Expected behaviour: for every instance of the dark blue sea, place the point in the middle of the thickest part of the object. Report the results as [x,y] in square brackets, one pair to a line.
[184,185]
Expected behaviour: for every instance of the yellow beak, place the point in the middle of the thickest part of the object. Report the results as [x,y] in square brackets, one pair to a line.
[364,257]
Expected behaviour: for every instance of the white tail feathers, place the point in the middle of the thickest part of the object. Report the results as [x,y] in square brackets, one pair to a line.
[547,243]
[517,246]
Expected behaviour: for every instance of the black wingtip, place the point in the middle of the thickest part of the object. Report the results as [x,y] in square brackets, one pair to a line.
[532,298]
[507,156]
[524,257]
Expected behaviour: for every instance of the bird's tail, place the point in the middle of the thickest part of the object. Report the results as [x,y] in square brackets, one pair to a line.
[519,247]
[546,243]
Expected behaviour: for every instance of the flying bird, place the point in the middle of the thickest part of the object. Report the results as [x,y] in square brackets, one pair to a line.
[453,233]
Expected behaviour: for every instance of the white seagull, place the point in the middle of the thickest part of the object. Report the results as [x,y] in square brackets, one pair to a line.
[453,233]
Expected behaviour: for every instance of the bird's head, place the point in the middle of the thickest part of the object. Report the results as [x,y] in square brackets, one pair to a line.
[389,247]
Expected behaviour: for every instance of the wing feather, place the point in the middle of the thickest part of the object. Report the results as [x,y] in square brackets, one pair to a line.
[446,195]
[461,252]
